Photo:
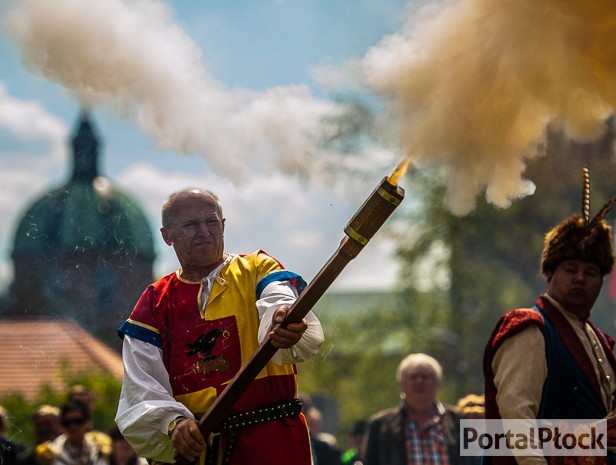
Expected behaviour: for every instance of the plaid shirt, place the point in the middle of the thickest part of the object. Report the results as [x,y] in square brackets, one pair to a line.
[426,444]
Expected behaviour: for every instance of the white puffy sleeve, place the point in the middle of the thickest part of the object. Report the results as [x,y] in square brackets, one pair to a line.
[146,406]
[280,293]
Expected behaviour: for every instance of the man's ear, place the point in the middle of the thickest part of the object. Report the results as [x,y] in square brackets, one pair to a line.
[165,234]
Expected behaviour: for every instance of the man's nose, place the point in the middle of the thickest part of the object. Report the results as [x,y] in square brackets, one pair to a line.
[203,229]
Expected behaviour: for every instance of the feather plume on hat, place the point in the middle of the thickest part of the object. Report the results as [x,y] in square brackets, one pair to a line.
[581,238]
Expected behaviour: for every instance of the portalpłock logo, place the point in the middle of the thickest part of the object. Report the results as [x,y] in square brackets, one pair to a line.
[533,437]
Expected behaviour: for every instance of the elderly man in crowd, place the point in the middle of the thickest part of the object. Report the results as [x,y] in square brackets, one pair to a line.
[419,431]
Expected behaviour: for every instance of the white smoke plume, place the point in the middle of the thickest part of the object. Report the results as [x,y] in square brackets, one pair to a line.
[473,84]
[131,55]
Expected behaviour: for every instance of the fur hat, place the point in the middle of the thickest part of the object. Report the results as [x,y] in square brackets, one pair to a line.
[580,238]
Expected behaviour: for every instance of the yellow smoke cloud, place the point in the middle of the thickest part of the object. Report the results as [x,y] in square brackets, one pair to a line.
[474,83]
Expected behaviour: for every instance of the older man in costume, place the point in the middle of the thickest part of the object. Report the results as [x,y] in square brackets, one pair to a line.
[549,361]
[192,330]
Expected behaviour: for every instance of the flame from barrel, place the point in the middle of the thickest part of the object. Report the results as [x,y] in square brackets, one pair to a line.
[399,171]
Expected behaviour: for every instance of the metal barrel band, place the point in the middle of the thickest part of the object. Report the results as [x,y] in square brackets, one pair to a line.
[387,196]
[231,425]
[355,235]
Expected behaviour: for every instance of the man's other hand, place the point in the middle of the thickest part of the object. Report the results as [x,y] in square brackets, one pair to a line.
[284,338]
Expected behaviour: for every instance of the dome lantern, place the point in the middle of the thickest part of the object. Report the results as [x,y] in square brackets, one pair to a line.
[85,150]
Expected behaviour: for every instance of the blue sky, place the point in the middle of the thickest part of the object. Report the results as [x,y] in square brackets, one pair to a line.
[255,52]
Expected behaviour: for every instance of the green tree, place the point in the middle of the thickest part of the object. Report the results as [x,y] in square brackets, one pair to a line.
[364,345]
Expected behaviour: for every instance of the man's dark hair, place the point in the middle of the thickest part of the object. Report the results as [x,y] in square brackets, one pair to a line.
[75,406]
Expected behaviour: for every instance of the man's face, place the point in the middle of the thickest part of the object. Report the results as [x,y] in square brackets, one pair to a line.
[195,231]
[75,426]
[576,284]
[419,386]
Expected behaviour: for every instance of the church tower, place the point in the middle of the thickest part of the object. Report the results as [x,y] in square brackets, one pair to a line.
[83,250]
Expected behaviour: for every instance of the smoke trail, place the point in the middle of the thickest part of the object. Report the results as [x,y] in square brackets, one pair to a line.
[133,56]
[474,83]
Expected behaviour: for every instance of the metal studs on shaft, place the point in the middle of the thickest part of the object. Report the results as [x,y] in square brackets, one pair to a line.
[586,197]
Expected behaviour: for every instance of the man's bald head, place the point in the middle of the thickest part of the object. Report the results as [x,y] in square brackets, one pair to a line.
[183,194]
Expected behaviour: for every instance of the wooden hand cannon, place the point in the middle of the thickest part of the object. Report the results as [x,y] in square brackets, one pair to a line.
[359,230]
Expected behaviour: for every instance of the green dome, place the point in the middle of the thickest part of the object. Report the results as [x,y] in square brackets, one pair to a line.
[81,217]
[87,214]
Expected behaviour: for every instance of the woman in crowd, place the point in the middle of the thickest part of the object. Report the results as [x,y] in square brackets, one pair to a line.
[77,445]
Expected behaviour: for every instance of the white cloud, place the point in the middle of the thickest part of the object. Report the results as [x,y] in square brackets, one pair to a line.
[33,147]
[304,239]
[28,121]
[374,268]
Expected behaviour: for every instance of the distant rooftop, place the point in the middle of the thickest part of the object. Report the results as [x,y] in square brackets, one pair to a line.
[32,352]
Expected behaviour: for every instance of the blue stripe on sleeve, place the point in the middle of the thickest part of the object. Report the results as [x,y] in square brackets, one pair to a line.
[296,281]
[139,332]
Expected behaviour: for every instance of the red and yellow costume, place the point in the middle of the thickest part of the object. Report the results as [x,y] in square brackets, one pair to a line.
[203,344]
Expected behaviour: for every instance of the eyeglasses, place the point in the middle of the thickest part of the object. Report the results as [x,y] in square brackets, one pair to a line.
[73,421]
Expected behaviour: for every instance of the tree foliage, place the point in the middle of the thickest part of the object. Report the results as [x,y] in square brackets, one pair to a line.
[357,366]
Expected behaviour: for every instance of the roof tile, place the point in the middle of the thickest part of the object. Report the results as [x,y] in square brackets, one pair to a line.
[32,352]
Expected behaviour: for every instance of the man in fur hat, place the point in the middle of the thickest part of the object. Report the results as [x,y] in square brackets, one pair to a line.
[550,361]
